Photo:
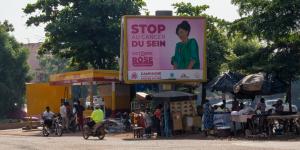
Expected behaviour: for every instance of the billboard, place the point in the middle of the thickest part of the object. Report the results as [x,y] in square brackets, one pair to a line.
[157,49]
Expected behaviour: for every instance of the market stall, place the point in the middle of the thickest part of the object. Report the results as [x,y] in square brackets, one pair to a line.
[179,111]
[251,119]
[141,102]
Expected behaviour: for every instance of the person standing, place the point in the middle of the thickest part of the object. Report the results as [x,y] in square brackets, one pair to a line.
[63,114]
[261,106]
[260,113]
[279,107]
[208,117]
[69,114]
[235,105]
[79,114]
[157,119]
[148,122]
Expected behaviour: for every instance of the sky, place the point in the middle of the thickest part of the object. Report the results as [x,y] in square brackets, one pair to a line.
[11,10]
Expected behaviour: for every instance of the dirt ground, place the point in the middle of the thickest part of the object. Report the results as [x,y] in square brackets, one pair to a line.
[32,140]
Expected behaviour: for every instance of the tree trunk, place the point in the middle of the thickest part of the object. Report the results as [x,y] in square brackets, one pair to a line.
[289,95]
[203,98]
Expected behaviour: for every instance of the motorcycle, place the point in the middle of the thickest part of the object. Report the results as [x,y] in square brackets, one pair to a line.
[73,124]
[56,127]
[89,131]
[125,119]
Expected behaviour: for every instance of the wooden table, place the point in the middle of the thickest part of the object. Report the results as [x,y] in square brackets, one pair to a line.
[138,132]
[242,119]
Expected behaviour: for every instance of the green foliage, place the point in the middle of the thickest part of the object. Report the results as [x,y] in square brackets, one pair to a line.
[217,44]
[270,19]
[13,70]
[187,9]
[285,60]
[6,26]
[87,31]
[247,55]
[278,23]
[256,60]
[241,46]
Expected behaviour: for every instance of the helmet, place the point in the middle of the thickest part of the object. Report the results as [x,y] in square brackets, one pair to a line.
[97,106]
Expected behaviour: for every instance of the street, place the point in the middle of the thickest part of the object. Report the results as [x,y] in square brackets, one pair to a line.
[16,139]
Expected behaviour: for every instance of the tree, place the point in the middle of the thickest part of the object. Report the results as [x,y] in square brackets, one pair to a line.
[85,31]
[270,19]
[247,55]
[13,70]
[278,23]
[216,38]
[50,64]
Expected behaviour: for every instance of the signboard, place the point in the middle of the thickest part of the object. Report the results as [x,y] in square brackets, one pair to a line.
[84,76]
[163,49]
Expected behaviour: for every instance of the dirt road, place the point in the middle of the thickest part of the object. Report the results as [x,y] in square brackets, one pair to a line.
[16,139]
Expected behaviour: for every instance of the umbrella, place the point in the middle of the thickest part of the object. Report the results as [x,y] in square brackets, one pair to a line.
[142,96]
[260,84]
[225,82]
[250,84]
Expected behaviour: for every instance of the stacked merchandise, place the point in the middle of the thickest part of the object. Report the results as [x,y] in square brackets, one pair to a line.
[184,115]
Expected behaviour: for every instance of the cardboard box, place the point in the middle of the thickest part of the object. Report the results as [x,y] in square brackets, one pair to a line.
[187,123]
[177,121]
[197,121]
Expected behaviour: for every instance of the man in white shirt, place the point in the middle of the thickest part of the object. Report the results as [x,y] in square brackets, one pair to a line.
[63,114]
[48,117]
[148,123]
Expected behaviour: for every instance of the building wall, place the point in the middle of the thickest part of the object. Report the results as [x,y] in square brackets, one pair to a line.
[33,61]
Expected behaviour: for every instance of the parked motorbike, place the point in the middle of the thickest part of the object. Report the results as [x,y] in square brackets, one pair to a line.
[125,119]
[55,128]
[73,124]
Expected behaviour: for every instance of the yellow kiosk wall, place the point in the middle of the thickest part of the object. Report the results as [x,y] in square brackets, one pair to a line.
[122,96]
[40,95]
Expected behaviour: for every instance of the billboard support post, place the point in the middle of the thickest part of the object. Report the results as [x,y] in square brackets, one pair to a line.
[164,87]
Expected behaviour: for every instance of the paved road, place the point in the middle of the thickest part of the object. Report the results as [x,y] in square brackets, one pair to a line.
[13,140]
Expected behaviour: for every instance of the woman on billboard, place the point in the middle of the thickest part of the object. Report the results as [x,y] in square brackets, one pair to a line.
[187,50]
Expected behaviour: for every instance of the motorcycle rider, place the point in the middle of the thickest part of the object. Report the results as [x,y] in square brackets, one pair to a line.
[97,117]
[48,117]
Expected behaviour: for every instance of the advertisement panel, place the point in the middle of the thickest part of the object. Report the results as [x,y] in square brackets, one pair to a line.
[163,49]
